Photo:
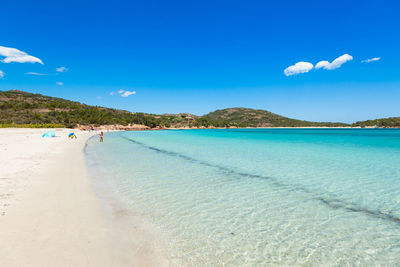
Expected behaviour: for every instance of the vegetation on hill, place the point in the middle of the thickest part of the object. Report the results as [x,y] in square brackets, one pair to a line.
[245,117]
[17,107]
[22,109]
[393,122]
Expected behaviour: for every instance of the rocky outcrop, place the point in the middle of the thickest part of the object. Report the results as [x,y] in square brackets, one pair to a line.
[129,127]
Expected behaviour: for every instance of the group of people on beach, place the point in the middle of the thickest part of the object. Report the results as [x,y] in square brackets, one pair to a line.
[101,135]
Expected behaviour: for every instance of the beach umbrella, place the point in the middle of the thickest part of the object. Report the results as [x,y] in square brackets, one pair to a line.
[49,134]
[72,135]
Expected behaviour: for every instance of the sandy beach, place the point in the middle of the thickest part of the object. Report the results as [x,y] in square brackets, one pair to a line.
[50,214]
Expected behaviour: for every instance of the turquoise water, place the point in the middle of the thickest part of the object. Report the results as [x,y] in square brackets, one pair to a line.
[262,197]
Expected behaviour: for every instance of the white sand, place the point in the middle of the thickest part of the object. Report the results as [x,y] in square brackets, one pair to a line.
[49,212]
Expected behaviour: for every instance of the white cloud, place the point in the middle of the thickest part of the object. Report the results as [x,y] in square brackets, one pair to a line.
[1,74]
[61,69]
[299,67]
[59,83]
[322,64]
[35,73]
[337,63]
[370,60]
[15,55]
[124,93]
[127,93]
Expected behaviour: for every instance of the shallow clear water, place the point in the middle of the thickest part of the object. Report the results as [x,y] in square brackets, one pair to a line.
[250,197]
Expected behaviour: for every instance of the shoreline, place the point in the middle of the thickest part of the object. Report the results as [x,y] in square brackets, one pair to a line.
[121,128]
[137,239]
[50,213]
[57,210]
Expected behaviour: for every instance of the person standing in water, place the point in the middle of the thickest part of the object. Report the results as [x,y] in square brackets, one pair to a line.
[101,136]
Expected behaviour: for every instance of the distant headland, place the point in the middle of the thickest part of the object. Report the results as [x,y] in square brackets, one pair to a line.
[23,109]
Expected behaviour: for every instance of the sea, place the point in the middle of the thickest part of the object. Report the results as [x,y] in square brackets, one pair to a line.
[260,197]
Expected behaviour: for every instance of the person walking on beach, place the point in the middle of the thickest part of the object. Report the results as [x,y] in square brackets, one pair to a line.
[101,136]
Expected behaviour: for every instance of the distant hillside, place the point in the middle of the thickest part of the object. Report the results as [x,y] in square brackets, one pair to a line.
[19,108]
[245,117]
[393,122]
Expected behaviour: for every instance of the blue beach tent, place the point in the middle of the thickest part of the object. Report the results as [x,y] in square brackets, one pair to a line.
[49,134]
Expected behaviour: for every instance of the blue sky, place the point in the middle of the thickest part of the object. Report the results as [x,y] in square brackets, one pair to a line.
[198,56]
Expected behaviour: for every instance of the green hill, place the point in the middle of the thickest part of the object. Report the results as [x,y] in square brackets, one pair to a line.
[18,108]
[245,117]
[392,122]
